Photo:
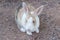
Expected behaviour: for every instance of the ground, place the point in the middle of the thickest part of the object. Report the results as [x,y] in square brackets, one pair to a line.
[49,27]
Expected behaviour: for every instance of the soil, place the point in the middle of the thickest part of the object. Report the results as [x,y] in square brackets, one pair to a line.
[49,27]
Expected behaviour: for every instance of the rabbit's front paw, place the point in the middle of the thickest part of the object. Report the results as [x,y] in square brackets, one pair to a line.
[37,30]
[29,33]
[22,30]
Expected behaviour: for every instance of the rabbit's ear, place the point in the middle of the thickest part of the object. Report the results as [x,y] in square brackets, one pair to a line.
[39,10]
[25,7]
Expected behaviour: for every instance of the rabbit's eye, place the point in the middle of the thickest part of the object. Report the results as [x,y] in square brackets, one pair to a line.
[33,21]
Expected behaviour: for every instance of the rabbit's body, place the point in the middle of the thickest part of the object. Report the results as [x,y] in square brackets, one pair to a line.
[27,19]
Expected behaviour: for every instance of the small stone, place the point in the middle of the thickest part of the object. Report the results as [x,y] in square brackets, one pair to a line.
[6,19]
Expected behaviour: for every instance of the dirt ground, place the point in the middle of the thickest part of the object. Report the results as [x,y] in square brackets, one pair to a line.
[49,27]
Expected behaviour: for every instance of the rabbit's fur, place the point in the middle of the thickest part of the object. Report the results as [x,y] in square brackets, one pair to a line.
[27,18]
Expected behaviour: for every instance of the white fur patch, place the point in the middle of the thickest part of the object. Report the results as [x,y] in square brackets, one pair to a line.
[32,12]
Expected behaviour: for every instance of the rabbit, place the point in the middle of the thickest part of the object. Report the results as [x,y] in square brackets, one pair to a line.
[27,18]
